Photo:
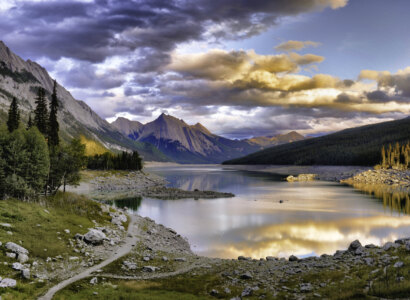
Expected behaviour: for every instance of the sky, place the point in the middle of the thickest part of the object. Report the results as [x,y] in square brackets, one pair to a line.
[242,68]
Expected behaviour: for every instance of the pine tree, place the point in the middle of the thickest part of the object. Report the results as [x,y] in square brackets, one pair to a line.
[41,112]
[30,122]
[53,139]
[383,157]
[14,116]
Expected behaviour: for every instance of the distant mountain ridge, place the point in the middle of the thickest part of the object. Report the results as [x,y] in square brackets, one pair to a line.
[353,146]
[21,79]
[194,143]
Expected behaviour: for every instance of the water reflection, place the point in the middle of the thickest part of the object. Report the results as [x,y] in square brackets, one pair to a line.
[315,218]
[132,203]
[393,199]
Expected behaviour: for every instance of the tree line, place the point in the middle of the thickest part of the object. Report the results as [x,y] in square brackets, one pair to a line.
[397,156]
[109,161]
[32,159]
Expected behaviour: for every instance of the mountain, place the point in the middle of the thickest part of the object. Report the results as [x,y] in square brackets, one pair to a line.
[193,143]
[264,141]
[354,146]
[21,79]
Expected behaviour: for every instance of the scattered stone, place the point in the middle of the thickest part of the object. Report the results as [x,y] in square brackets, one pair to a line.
[293,258]
[164,258]
[6,225]
[354,245]
[305,287]
[17,266]
[130,265]
[180,259]
[94,280]
[214,293]
[244,258]
[146,258]
[13,247]
[25,273]
[246,275]
[8,282]
[95,237]
[271,258]
[227,291]
[73,258]
[11,255]
[398,264]
[149,269]
[389,245]
[67,231]
[247,292]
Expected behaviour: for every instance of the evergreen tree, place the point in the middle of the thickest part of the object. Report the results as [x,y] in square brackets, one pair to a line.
[41,112]
[53,139]
[14,116]
[30,122]
[73,160]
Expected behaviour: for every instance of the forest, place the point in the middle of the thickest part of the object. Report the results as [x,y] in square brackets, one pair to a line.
[358,146]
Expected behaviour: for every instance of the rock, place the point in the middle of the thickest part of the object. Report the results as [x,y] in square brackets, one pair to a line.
[17,266]
[305,287]
[25,273]
[95,237]
[94,280]
[369,261]
[370,246]
[354,245]
[22,258]
[293,258]
[402,241]
[389,245]
[146,258]
[11,255]
[398,264]
[214,293]
[8,282]
[359,251]
[79,236]
[149,269]
[247,292]
[130,265]
[244,258]
[271,258]
[227,291]
[73,258]
[67,231]
[6,225]
[164,258]
[13,247]
[180,259]
[246,275]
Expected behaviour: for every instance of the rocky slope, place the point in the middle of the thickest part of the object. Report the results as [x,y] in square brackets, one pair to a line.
[194,143]
[21,79]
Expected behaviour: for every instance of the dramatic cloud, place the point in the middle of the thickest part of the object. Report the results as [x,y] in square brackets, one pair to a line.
[295,45]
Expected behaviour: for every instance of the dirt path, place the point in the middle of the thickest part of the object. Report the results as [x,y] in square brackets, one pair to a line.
[130,240]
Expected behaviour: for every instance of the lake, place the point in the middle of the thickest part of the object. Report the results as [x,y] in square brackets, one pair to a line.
[314,217]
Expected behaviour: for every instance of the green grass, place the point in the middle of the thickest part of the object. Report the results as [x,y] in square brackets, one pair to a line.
[40,225]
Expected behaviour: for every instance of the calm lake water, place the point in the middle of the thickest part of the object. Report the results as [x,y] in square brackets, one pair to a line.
[314,218]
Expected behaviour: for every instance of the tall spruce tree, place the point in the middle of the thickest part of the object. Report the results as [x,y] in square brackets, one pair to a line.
[30,122]
[41,112]
[14,116]
[53,129]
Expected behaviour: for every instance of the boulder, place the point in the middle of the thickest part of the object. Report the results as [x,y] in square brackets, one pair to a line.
[390,245]
[293,258]
[8,282]
[305,287]
[13,247]
[94,280]
[354,246]
[95,237]
[246,275]
[17,266]
[25,273]
[149,269]
[22,258]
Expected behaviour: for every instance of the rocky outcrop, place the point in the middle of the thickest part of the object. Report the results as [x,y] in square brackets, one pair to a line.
[397,178]
[301,177]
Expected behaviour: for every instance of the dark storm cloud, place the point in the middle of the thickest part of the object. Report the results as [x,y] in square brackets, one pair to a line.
[94,31]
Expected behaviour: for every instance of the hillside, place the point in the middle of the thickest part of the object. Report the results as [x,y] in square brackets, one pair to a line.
[194,143]
[21,79]
[354,146]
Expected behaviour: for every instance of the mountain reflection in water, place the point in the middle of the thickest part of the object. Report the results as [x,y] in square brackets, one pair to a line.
[315,217]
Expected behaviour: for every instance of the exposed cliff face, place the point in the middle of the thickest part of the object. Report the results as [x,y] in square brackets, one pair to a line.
[193,143]
[21,79]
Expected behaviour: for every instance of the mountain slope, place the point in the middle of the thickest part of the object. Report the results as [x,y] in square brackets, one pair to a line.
[192,143]
[21,79]
[354,146]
